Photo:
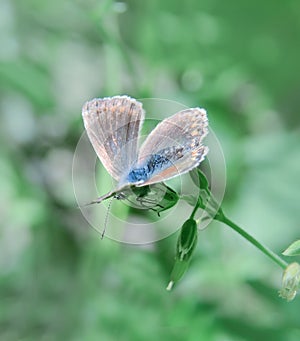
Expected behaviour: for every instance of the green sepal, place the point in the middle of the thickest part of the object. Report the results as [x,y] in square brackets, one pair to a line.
[200,179]
[186,243]
[187,240]
[179,268]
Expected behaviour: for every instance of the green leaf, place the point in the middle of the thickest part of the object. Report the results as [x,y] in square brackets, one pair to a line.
[293,249]
[199,179]
[16,74]
[204,184]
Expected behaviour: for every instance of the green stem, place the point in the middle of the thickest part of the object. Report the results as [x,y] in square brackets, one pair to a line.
[194,211]
[253,241]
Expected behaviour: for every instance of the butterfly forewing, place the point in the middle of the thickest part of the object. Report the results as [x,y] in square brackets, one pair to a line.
[175,145]
[113,126]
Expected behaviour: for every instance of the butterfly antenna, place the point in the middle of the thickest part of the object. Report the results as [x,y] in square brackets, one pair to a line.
[99,200]
[106,217]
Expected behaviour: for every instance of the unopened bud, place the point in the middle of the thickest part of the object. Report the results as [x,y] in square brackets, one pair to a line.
[186,243]
[290,282]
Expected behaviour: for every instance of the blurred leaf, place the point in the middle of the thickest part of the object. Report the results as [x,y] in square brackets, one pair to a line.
[293,249]
[29,80]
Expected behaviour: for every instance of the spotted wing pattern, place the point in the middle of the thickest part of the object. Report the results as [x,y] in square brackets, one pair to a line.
[113,126]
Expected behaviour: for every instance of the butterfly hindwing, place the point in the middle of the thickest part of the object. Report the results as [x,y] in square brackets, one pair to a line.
[174,147]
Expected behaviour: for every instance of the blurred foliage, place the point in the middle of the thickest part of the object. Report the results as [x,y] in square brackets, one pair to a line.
[240,60]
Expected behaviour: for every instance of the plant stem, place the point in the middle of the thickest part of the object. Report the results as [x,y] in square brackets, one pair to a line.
[194,211]
[253,241]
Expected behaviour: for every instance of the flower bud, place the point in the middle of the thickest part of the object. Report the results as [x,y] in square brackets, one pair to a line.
[186,243]
[290,281]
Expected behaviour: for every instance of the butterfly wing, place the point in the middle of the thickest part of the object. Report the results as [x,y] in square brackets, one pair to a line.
[174,147]
[113,126]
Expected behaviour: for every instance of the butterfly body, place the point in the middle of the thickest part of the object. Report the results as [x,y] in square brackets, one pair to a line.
[174,147]
[155,163]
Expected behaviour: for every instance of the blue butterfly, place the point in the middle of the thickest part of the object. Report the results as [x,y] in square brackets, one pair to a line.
[174,147]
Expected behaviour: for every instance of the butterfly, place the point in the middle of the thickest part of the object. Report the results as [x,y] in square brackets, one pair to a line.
[174,147]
